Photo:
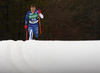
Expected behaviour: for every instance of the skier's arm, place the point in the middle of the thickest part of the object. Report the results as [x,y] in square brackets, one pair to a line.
[26,19]
[40,14]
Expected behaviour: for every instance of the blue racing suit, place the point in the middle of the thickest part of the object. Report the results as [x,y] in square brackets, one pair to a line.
[33,23]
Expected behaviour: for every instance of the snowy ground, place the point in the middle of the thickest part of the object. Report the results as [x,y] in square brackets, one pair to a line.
[49,56]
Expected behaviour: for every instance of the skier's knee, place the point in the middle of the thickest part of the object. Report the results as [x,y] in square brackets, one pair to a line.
[31,34]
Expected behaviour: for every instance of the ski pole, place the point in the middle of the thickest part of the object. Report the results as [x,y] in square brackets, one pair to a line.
[40,25]
[26,34]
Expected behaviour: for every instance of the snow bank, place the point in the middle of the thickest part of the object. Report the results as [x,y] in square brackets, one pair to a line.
[49,56]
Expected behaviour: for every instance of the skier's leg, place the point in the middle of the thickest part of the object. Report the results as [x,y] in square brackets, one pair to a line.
[36,31]
[30,33]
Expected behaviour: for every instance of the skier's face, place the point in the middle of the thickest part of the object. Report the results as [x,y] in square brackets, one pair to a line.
[33,9]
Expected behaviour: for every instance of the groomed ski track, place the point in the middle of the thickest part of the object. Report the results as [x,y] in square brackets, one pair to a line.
[49,56]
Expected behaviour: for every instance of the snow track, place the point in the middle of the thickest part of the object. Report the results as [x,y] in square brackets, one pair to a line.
[5,57]
[17,58]
[49,56]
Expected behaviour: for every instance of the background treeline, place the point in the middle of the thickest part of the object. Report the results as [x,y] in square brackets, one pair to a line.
[64,19]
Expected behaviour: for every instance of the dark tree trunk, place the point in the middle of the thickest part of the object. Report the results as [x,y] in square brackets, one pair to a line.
[7,27]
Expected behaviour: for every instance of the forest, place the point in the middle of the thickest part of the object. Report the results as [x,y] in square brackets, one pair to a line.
[63,19]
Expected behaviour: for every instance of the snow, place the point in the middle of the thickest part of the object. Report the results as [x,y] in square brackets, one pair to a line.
[49,56]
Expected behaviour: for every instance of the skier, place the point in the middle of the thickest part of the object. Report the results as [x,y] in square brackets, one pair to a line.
[33,21]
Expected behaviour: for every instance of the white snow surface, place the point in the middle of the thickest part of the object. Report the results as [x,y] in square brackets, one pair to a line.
[49,56]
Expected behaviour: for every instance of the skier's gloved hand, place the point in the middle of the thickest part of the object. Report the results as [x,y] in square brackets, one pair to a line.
[25,26]
[39,11]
